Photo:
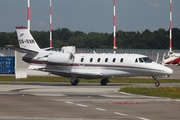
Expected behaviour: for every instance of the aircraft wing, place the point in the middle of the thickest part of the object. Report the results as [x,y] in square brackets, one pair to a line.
[66,73]
[21,50]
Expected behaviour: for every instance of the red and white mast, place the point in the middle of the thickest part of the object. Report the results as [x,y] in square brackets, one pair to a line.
[28,14]
[50,23]
[170,29]
[114,22]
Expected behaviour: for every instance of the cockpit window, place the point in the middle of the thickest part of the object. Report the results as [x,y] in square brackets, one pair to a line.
[141,60]
[147,60]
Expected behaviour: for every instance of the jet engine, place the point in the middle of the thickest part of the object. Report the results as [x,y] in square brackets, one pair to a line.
[64,58]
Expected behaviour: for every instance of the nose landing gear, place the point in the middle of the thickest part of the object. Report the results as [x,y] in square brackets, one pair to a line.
[157,83]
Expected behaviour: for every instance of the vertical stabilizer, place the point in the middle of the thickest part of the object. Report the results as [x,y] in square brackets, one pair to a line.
[26,41]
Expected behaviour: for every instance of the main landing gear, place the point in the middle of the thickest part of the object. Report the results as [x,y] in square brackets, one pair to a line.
[157,83]
[104,81]
[74,81]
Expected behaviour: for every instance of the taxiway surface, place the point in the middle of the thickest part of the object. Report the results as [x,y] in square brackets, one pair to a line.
[87,101]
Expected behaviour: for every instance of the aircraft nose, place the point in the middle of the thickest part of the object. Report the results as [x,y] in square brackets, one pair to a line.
[169,71]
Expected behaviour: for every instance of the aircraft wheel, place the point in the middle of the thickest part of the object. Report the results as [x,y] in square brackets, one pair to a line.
[157,83]
[75,82]
[104,81]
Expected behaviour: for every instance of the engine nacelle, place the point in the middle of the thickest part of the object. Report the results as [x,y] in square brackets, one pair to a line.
[64,58]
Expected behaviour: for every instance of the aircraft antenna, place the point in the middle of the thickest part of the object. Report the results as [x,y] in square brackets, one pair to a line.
[28,14]
[114,22]
[170,29]
[50,23]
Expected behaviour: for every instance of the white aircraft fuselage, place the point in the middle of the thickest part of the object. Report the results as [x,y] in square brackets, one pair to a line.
[86,65]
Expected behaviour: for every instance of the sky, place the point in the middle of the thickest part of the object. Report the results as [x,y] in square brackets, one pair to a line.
[89,15]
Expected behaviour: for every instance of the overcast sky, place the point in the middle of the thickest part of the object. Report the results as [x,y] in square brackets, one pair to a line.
[89,15]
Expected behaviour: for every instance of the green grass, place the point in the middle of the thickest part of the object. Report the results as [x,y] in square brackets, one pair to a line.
[170,92]
[64,79]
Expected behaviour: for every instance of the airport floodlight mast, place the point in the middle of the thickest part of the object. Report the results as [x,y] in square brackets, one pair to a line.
[170,29]
[114,22]
[28,14]
[50,23]
[28,18]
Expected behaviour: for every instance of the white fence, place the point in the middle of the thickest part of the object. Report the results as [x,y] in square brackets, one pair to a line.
[152,53]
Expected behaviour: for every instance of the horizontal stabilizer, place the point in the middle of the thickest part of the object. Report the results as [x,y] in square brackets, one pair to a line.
[47,49]
[35,67]
[21,50]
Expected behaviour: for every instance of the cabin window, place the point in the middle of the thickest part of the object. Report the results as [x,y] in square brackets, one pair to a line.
[82,59]
[121,60]
[106,60]
[98,60]
[136,60]
[91,59]
[114,59]
[141,60]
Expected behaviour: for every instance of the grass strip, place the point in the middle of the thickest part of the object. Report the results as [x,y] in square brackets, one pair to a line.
[66,79]
[170,92]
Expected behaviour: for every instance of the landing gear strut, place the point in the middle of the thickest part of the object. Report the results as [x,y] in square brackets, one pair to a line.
[104,81]
[74,81]
[157,83]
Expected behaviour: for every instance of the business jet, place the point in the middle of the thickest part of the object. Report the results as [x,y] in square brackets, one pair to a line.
[86,65]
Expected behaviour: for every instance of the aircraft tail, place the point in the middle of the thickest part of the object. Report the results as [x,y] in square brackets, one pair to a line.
[26,41]
[28,46]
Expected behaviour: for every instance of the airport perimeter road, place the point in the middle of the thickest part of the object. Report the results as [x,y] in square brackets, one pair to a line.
[86,101]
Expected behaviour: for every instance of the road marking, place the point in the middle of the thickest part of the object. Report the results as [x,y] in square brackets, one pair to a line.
[100,109]
[69,102]
[122,114]
[82,105]
[125,93]
[141,118]
[124,102]
[115,96]
[178,100]
[48,95]
[117,113]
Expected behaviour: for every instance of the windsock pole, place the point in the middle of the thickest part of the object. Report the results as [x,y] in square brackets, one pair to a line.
[50,23]
[170,29]
[28,14]
[114,22]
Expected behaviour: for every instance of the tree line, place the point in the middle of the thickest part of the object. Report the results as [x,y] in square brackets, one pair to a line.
[158,39]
